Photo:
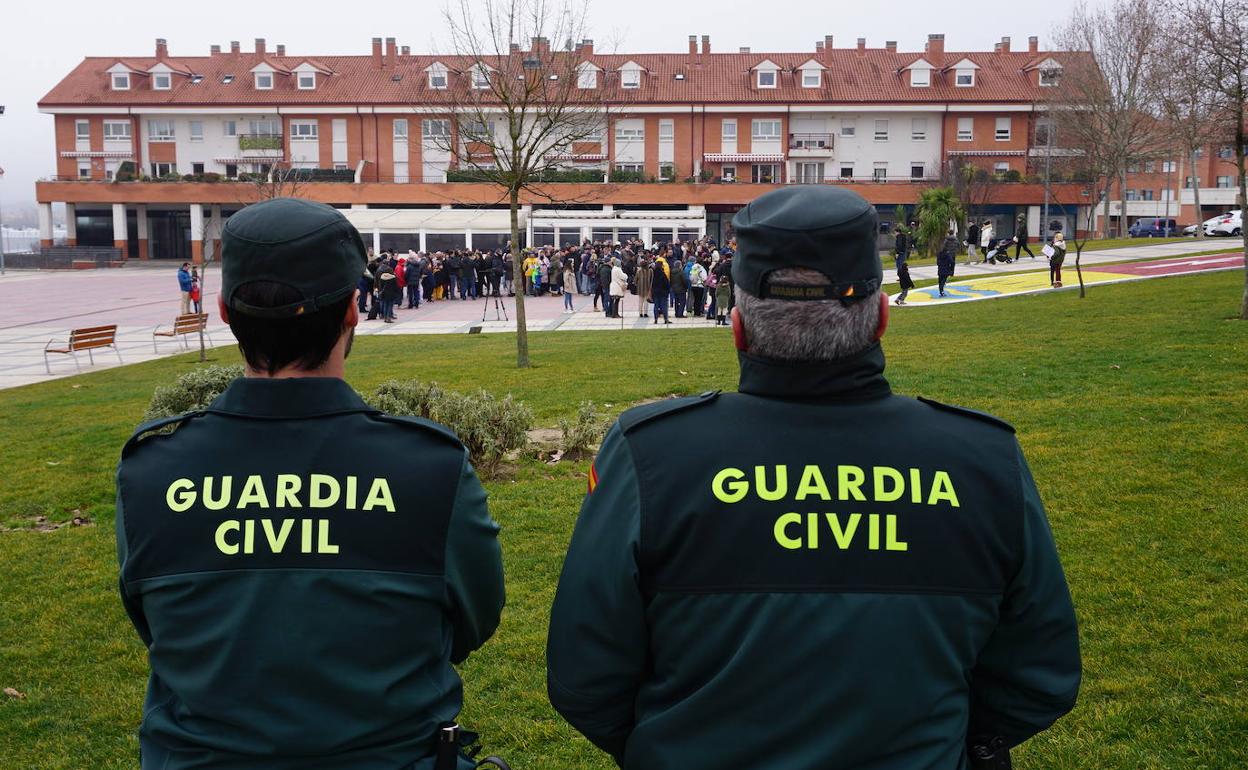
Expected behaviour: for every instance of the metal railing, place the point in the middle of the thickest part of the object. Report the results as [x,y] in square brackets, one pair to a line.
[812,142]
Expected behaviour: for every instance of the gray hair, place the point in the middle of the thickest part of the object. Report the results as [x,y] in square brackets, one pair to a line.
[807,330]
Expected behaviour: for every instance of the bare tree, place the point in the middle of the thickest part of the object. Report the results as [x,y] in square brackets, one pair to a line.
[973,185]
[1220,33]
[518,115]
[1101,107]
[281,181]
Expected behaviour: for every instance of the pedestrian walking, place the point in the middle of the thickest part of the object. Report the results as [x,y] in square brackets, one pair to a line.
[985,240]
[901,257]
[972,243]
[946,258]
[569,287]
[1020,239]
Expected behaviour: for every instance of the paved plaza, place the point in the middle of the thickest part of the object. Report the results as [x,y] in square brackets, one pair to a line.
[39,306]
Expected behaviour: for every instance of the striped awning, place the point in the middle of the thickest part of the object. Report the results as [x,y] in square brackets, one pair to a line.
[585,157]
[989,153]
[742,157]
[250,159]
[125,154]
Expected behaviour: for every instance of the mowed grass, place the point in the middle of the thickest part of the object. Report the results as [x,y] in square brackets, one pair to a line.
[1130,404]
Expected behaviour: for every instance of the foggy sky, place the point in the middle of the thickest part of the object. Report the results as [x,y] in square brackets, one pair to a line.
[41,43]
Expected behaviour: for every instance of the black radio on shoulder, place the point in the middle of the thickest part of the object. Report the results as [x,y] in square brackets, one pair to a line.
[989,754]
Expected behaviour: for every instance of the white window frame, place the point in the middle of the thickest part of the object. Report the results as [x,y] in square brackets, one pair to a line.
[396,133]
[1050,78]
[667,131]
[437,78]
[849,127]
[201,165]
[157,80]
[311,86]
[114,135]
[427,125]
[807,75]
[922,169]
[305,131]
[587,78]
[229,128]
[920,77]
[155,135]
[876,168]
[842,167]
[766,129]
[480,78]
[667,170]
[474,130]
[1001,167]
[274,127]
[878,135]
[813,172]
[79,133]
[728,173]
[84,165]
[773,74]
[968,134]
[340,167]
[918,129]
[259,85]
[156,165]
[1218,183]
[1168,167]
[1004,134]
[636,168]
[728,129]
[630,78]
[775,173]
[191,130]
[958,75]
[122,78]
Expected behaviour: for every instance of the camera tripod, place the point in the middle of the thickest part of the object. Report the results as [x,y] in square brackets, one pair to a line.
[500,308]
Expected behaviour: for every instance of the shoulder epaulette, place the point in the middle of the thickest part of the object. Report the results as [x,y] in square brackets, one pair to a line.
[156,427]
[978,415]
[420,422]
[640,415]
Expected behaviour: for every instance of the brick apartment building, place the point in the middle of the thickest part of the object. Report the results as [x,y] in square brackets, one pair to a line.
[708,130]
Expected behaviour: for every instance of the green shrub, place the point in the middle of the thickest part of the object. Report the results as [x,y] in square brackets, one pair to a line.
[583,432]
[194,390]
[490,427]
[1013,175]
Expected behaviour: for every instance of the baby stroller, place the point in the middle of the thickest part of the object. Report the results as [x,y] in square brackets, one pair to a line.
[997,250]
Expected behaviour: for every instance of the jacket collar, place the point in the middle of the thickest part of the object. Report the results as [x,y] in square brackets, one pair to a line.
[859,377]
[288,398]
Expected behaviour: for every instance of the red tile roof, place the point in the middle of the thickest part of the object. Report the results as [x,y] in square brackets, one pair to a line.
[872,76]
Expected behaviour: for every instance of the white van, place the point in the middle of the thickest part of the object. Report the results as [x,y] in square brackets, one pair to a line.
[1230,223]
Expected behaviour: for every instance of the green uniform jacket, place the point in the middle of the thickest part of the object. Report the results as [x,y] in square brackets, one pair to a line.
[303,570]
[837,577]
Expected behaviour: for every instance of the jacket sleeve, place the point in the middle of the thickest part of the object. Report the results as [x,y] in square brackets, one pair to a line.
[132,606]
[474,567]
[596,653]
[1027,676]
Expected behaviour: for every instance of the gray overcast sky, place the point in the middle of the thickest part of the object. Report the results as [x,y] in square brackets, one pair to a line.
[43,43]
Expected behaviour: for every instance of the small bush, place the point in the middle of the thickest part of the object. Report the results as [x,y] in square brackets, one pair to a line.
[582,432]
[490,427]
[193,390]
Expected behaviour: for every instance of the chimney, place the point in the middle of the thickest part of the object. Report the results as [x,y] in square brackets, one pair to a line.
[1033,44]
[405,51]
[890,46]
[235,47]
[390,52]
[587,47]
[706,44]
[214,50]
[743,49]
[162,48]
[862,46]
[281,50]
[260,46]
[827,48]
[377,52]
[1005,45]
[693,45]
[514,48]
[819,46]
[996,48]
[539,46]
[935,46]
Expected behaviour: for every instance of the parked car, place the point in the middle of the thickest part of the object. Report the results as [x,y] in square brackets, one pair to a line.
[1190,230]
[1153,227]
[1229,223]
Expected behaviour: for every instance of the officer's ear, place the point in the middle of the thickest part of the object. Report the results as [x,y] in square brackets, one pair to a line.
[738,331]
[222,310]
[879,331]
[352,318]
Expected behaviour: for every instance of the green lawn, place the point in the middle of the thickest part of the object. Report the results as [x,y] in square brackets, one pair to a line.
[1130,404]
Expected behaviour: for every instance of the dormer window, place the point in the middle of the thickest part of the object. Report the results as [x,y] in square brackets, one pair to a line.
[964,78]
[437,77]
[766,78]
[264,81]
[121,81]
[162,81]
[811,78]
[587,77]
[307,81]
[920,77]
[480,77]
[630,78]
[1050,77]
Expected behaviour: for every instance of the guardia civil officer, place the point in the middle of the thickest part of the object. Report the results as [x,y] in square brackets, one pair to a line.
[301,596]
[839,580]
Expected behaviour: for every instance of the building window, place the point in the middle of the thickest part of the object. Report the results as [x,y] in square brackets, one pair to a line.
[629,134]
[667,130]
[879,171]
[264,81]
[918,129]
[920,77]
[307,81]
[231,170]
[1168,167]
[1199,153]
[632,168]
[303,131]
[340,167]
[479,130]
[1132,195]
[163,169]
[1003,130]
[667,171]
[1146,195]
[116,130]
[1167,194]
[121,81]
[1050,77]
[630,78]
[847,172]
[811,78]
[766,78]
[1000,167]
[765,173]
[881,130]
[229,128]
[1225,152]
[197,168]
[1133,167]
[965,78]
[400,129]
[160,131]
[587,78]
[848,128]
[265,128]
[82,130]
[810,173]
[437,78]
[435,129]
[162,81]
[400,172]
[1149,166]
[728,130]
[728,173]
[966,129]
[765,129]
[1224,182]
[84,169]
[1044,131]
[917,169]
[197,130]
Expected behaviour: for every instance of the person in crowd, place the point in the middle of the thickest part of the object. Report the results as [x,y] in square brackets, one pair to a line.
[412,274]
[196,291]
[569,286]
[697,285]
[184,285]
[619,285]
[364,287]
[946,258]
[389,292]
[900,258]
[1055,262]
[454,265]
[723,291]
[680,288]
[1020,240]
[643,279]
[972,243]
[985,240]
[660,287]
[606,278]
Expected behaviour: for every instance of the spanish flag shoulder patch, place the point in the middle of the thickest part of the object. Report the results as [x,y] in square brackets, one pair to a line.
[593,478]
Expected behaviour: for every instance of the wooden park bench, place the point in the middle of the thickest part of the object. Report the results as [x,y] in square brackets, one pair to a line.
[184,325]
[84,339]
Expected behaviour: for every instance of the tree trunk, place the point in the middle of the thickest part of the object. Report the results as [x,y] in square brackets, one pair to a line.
[1122,207]
[518,283]
[1200,218]
[203,282]
[1243,196]
[1105,211]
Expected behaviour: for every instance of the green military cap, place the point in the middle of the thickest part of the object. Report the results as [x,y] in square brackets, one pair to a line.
[823,228]
[307,246]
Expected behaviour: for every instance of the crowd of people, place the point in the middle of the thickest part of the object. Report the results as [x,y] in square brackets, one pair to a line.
[682,279]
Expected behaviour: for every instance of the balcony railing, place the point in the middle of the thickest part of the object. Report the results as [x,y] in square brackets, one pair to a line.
[825,142]
[259,141]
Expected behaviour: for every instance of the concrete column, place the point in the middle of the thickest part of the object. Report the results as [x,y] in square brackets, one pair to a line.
[359,206]
[423,249]
[647,235]
[45,225]
[197,233]
[214,231]
[141,211]
[526,211]
[119,228]
[587,232]
[71,225]
[376,241]
[468,238]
